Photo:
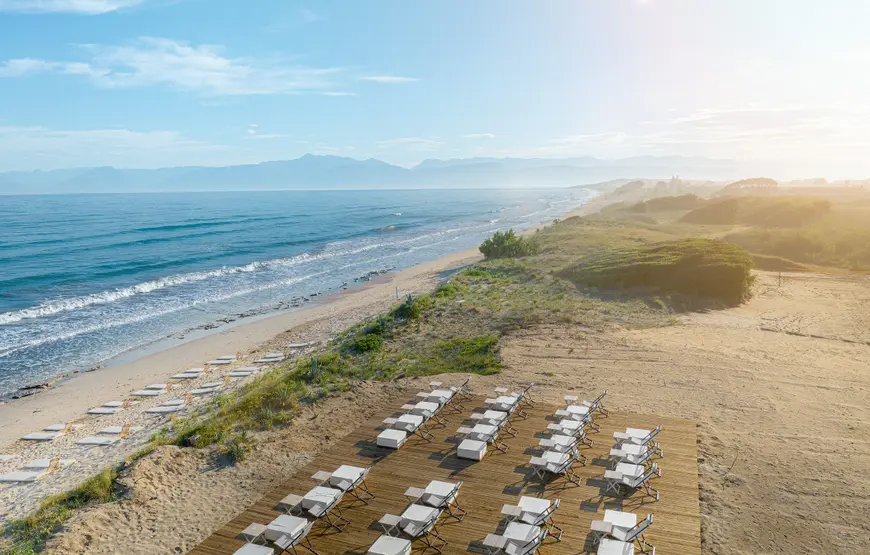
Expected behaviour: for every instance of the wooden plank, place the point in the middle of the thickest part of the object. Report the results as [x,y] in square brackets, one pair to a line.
[488,484]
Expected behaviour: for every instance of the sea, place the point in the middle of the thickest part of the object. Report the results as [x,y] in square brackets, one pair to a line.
[86,278]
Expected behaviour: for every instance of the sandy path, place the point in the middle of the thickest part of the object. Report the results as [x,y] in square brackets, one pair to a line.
[784,420]
[71,399]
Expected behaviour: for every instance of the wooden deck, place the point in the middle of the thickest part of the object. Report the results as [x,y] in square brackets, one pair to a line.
[488,484]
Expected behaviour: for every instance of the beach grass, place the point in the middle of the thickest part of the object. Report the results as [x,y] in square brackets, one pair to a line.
[29,534]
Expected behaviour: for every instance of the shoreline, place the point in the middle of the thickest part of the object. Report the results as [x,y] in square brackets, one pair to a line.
[70,398]
[72,395]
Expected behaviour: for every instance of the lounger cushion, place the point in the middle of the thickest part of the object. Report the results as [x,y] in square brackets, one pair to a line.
[254,549]
[42,436]
[104,410]
[386,545]
[392,439]
[147,393]
[21,476]
[472,450]
[94,440]
[163,410]
[44,464]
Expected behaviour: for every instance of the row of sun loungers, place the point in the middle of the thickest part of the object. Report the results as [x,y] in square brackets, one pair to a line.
[418,416]
[493,424]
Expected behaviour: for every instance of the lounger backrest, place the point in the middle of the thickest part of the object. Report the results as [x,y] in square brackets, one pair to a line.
[638,529]
[653,434]
[649,474]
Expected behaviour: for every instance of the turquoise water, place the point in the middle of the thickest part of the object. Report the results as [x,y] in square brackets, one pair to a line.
[87,277]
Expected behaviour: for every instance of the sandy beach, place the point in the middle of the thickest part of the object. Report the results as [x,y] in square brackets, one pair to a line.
[70,399]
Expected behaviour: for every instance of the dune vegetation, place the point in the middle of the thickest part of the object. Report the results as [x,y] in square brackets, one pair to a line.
[701,268]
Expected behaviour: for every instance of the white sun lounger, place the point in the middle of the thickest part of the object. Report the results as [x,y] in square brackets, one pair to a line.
[254,549]
[158,386]
[60,427]
[203,391]
[637,436]
[212,385]
[388,545]
[240,374]
[227,357]
[114,404]
[219,362]
[471,449]
[94,440]
[4,458]
[603,528]
[116,430]
[392,439]
[44,464]
[21,477]
[42,436]
[614,547]
[619,482]
[147,392]
[163,410]
[186,376]
[105,410]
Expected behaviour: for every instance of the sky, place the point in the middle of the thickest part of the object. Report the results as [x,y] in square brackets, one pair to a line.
[152,83]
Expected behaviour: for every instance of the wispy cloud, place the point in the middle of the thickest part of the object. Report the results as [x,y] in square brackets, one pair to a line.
[203,69]
[479,136]
[390,79]
[253,132]
[338,93]
[86,7]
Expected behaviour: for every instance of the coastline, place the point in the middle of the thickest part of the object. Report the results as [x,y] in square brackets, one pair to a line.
[73,395]
[71,398]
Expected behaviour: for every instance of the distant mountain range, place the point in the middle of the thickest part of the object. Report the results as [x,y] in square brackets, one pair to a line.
[334,172]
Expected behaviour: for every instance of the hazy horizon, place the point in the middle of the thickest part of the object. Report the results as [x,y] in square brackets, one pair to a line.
[149,84]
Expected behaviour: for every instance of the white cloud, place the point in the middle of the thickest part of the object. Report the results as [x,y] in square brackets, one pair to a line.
[254,133]
[202,69]
[86,7]
[23,66]
[38,147]
[390,79]
[338,93]
[479,136]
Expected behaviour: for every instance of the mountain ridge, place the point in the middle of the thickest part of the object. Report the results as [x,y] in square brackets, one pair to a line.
[313,171]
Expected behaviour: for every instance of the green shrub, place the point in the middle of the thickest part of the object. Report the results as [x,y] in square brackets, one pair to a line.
[447,290]
[694,267]
[368,343]
[236,449]
[507,245]
[412,308]
[476,273]
[477,355]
